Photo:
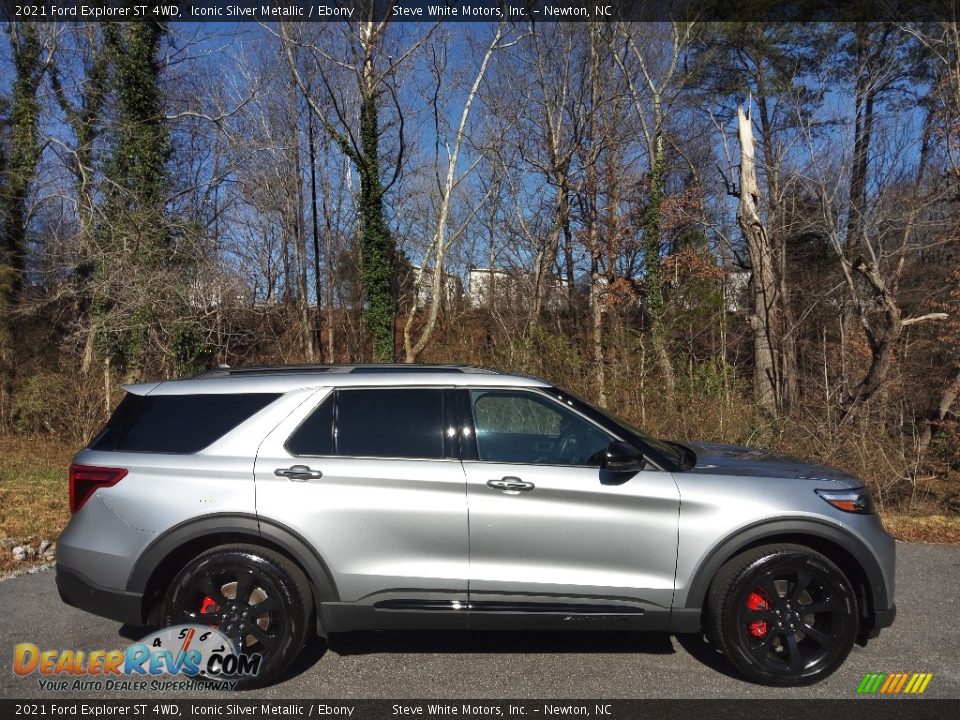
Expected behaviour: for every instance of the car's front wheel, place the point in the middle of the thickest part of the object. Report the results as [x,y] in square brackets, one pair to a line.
[783,614]
[255,596]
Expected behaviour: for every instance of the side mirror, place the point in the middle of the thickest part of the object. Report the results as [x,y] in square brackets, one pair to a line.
[622,457]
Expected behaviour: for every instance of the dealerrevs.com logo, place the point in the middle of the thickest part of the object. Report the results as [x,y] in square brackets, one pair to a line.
[205,657]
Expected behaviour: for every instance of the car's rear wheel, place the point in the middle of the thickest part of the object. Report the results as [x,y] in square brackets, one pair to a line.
[783,614]
[255,596]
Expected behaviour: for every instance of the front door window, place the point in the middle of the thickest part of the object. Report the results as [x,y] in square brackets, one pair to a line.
[524,427]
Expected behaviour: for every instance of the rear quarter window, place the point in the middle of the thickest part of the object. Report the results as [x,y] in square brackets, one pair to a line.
[176,423]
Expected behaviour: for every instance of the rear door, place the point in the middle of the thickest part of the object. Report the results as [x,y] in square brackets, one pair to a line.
[368,476]
[552,536]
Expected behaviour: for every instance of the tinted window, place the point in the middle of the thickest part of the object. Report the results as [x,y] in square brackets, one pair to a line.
[674,453]
[390,423]
[522,427]
[516,414]
[176,423]
[315,436]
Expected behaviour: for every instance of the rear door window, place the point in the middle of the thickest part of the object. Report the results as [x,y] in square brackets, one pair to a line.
[401,423]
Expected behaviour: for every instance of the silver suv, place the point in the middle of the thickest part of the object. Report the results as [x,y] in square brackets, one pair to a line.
[273,503]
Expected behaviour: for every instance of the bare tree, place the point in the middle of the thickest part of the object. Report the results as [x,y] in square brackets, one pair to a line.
[548,108]
[374,71]
[660,77]
[942,42]
[443,237]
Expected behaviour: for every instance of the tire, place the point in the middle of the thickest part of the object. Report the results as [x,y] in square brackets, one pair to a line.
[783,614]
[202,592]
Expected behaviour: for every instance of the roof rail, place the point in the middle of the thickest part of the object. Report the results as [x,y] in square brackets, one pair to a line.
[409,368]
[226,371]
[340,368]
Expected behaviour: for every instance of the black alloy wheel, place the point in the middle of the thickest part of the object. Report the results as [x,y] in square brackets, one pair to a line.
[783,614]
[258,598]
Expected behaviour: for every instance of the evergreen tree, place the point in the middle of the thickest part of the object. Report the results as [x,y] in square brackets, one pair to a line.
[139,305]
[18,164]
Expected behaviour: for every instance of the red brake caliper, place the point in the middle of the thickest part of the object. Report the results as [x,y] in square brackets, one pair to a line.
[758,600]
[209,607]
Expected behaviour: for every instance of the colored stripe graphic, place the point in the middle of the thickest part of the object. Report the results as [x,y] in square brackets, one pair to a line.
[894,683]
[903,680]
[918,683]
[888,683]
[871,683]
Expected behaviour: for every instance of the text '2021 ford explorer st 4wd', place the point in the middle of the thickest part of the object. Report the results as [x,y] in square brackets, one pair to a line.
[275,502]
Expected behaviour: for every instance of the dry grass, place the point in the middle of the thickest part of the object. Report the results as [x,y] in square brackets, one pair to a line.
[928,528]
[34,497]
[33,491]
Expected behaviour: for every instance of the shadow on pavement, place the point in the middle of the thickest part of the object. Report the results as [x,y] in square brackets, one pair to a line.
[706,654]
[134,632]
[454,641]
[458,641]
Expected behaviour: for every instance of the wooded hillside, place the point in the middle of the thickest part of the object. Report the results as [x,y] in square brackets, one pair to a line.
[737,232]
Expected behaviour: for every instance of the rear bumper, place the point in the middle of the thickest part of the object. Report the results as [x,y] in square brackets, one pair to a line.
[80,592]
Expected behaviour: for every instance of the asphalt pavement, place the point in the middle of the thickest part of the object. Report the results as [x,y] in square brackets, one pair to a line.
[436,665]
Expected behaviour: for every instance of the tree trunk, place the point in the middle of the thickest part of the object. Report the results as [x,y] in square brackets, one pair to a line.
[375,241]
[328,225]
[299,234]
[107,386]
[317,285]
[596,306]
[864,95]
[944,408]
[653,281]
[438,286]
[882,335]
[784,343]
[763,320]
[568,261]
[547,256]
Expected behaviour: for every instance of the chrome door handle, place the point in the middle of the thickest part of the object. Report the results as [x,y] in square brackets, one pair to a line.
[511,485]
[298,473]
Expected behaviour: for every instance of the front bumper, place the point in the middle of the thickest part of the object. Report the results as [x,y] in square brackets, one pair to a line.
[882,619]
[80,592]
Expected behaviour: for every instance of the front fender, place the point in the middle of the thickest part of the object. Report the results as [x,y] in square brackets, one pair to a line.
[689,600]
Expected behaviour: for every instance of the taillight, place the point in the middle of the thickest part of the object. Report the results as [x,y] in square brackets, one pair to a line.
[85,479]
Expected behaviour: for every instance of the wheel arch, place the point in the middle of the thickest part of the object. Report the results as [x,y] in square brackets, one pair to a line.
[165,556]
[849,553]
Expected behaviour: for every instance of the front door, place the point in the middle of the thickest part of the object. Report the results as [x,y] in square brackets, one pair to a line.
[552,536]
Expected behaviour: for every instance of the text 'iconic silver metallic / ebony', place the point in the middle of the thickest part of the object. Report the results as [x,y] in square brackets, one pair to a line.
[276,502]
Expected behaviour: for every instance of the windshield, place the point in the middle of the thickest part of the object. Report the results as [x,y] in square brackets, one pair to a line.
[672,453]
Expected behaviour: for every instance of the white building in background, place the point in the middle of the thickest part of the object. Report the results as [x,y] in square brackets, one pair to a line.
[486,284]
[218,290]
[452,287]
[505,286]
[735,286]
[557,292]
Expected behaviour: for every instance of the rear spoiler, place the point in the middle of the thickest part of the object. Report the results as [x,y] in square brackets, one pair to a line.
[141,388]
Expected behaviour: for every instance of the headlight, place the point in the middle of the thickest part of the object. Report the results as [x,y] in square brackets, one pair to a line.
[851,501]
